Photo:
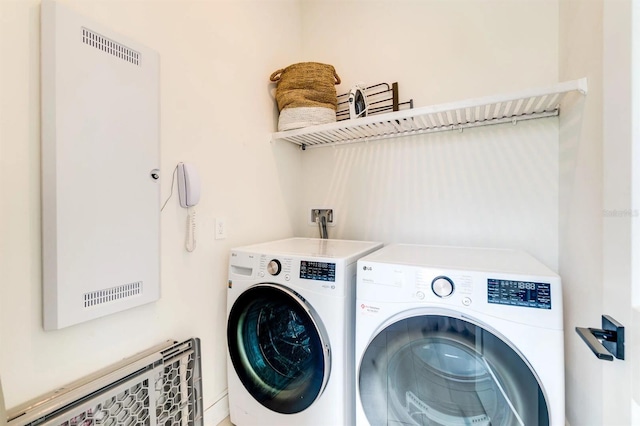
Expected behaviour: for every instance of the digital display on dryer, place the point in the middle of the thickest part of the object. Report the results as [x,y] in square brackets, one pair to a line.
[319,271]
[519,293]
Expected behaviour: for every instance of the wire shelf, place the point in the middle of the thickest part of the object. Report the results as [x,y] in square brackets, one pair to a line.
[497,109]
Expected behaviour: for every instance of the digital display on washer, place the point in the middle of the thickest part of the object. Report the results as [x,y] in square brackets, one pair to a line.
[319,271]
[519,293]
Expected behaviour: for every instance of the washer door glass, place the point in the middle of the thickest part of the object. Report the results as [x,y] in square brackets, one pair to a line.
[441,370]
[277,348]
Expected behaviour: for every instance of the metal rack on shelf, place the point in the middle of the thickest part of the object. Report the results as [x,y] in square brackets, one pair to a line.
[496,109]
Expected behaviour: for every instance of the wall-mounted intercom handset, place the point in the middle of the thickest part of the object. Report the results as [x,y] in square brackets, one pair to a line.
[189,194]
[188,185]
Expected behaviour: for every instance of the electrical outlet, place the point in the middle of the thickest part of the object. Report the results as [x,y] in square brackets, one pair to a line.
[221,229]
[326,212]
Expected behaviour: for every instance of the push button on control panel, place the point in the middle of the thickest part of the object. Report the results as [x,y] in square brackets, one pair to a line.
[442,286]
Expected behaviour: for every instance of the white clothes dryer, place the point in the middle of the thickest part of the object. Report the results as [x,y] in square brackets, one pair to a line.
[458,336]
[290,332]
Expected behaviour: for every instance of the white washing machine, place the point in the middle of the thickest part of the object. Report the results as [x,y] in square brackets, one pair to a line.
[290,332]
[458,336]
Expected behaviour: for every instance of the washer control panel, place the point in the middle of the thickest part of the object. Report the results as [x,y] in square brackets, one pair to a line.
[308,269]
[277,268]
[318,271]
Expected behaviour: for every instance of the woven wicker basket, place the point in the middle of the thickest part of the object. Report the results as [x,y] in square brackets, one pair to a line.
[306,94]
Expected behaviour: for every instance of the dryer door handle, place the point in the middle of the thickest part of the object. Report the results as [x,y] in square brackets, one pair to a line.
[605,342]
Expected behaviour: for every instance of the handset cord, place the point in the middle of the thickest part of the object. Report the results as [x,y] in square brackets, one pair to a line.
[171,193]
[190,244]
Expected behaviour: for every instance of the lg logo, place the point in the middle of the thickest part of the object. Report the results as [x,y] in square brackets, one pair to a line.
[366,268]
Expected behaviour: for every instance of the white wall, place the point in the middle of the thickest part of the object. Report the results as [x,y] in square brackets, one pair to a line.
[596,208]
[581,204]
[495,186]
[438,51]
[617,184]
[217,111]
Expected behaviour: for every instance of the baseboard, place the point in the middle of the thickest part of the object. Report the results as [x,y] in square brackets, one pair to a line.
[218,411]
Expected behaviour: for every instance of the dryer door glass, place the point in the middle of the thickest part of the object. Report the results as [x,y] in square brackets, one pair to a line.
[278,348]
[440,370]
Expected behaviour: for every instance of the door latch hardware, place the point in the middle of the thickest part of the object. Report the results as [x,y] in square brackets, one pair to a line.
[606,342]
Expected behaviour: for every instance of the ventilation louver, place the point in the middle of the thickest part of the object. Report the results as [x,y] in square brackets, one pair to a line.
[112,294]
[109,46]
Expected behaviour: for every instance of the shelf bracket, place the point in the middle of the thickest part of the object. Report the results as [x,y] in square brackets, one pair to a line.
[606,342]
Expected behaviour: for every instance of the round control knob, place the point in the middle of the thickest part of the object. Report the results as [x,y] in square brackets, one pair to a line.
[274,267]
[442,286]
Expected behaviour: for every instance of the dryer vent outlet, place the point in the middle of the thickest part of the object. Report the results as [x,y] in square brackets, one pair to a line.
[318,213]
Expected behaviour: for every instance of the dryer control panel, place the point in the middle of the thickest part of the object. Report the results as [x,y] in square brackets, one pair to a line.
[519,293]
